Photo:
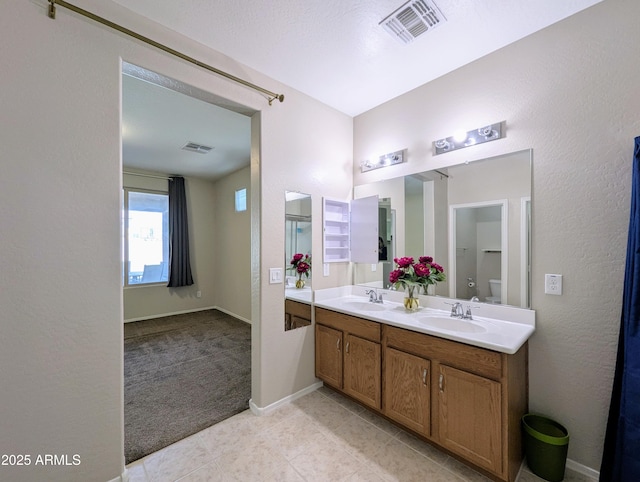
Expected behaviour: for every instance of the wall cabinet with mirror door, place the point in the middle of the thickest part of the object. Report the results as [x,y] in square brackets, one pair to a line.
[350,230]
[298,236]
[472,218]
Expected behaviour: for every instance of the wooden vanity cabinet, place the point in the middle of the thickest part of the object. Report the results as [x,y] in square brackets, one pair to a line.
[348,355]
[478,397]
[296,314]
[465,399]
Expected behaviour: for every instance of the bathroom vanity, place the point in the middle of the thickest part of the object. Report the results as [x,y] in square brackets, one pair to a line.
[461,386]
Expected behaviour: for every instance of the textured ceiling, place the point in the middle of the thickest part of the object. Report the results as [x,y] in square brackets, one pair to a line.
[332,50]
[335,50]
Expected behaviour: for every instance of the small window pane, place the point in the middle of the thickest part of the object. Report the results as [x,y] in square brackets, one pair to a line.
[241,200]
[148,240]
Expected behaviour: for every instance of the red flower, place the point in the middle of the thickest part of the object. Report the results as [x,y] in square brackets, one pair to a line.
[403,262]
[296,257]
[395,275]
[426,259]
[422,269]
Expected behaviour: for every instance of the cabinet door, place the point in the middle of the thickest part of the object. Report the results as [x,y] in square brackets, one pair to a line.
[470,421]
[407,390]
[362,367]
[329,355]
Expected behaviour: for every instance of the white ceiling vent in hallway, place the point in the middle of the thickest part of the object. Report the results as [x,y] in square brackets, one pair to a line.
[194,147]
[413,19]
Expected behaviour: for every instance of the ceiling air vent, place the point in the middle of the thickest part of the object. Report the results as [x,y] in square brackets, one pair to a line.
[413,19]
[194,147]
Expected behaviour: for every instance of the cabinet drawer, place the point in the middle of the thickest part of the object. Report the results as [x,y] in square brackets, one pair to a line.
[369,330]
[473,359]
[295,308]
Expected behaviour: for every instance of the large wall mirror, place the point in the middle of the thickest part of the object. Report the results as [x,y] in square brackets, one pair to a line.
[474,219]
[298,261]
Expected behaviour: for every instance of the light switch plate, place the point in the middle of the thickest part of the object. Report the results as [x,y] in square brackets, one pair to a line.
[275,275]
[325,269]
[553,284]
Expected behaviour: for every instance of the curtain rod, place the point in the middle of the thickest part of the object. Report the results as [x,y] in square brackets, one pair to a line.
[130,173]
[52,14]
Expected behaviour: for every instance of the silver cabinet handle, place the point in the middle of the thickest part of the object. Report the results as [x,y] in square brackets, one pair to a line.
[338,344]
[347,347]
[424,376]
[441,382]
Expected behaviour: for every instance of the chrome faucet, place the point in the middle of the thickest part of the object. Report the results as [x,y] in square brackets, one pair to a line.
[374,297]
[456,310]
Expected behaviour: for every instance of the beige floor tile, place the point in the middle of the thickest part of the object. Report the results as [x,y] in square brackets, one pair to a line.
[342,400]
[293,435]
[361,438]
[257,461]
[322,410]
[422,447]
[231,434]
[177,460]
[464,471]
[365,474]
[380,422]
[399,462]
[208,473]
[136,472]
[325,462]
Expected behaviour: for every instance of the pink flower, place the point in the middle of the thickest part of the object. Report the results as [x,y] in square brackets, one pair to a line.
[422,269]
[395,275]
[426,259]
[437,267]
[302,267]
[296,258]
[403,262]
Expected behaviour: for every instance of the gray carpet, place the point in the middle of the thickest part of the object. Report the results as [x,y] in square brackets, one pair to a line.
[182,374]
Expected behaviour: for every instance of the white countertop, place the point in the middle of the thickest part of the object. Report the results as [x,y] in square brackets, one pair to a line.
[303,295]
[496,327]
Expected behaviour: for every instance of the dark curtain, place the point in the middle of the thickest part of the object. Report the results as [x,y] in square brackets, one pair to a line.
[179,265]
[621,457]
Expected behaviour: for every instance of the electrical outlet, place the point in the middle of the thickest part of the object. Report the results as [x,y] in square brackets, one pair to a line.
[325,269]
[553,284]
[374,266]
[198,294]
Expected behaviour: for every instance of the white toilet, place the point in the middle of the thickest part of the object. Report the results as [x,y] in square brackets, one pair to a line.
[495,285]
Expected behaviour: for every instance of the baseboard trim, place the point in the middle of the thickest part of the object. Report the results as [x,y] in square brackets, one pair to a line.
[260,411]
[232,314]
[583,469]
[183,312]
[162,315]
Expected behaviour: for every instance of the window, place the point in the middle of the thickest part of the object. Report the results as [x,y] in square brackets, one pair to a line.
[146,237]
[241,200]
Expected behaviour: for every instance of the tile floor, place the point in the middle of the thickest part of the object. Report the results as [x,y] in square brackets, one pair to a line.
[319,437]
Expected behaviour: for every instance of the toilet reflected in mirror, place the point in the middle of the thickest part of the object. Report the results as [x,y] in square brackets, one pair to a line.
[298,262]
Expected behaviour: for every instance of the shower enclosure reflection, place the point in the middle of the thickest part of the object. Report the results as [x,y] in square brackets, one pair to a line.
[297,245]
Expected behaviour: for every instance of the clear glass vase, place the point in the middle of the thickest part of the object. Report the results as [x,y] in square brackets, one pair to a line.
[411,301]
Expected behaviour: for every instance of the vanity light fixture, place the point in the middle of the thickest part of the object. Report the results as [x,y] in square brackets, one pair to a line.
[470,138]
[383,161]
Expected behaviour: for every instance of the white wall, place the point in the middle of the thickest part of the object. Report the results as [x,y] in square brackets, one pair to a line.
[61,296]
[570,92]
[141,302]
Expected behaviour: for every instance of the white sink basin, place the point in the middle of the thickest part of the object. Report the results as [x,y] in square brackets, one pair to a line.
[452,324]
[363,306]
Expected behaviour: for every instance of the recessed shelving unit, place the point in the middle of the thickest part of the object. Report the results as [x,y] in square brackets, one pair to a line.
[336,233]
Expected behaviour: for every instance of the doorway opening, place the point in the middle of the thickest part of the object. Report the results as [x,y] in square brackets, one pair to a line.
[189,343]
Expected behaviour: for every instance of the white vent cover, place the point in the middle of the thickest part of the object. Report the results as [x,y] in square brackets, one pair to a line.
[195,147]
[413,19]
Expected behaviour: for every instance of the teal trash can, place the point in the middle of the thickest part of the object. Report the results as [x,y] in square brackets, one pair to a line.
[545,446]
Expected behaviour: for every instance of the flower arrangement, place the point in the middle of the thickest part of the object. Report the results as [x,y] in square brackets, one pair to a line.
[300,264]
[410,275]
